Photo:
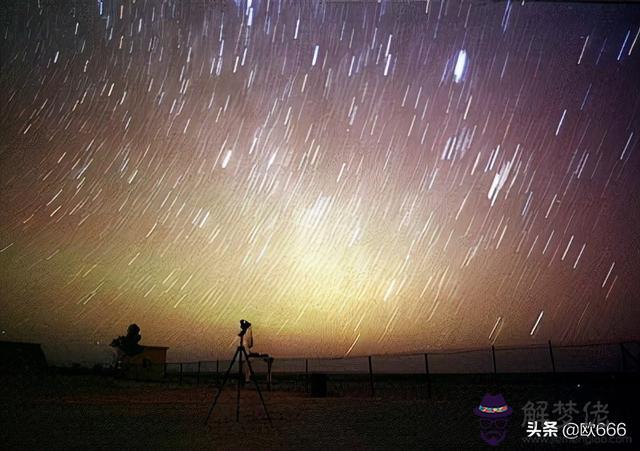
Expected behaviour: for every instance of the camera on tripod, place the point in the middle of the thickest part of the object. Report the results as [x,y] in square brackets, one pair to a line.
[242,356]
[244,327]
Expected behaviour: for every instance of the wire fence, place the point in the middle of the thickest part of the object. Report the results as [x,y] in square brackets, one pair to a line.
[375,374]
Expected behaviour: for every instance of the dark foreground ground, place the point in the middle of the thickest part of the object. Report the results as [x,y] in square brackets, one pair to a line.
[98,412]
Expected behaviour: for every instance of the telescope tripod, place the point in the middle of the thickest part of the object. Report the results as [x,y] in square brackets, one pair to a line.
[240,351]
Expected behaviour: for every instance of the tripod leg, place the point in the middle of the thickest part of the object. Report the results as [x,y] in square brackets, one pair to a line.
[240,379]
[224,381]
[264,405]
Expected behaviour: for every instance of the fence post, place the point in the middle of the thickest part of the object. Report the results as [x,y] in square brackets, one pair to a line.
[371,377]
[306,375]
[553,361]
[198,376]
[493,356]
[426,370]
[180,382]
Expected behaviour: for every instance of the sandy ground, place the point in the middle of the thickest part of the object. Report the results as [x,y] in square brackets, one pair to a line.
[102,413]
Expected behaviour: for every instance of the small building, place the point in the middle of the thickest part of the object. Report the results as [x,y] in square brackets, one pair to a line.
[149,365]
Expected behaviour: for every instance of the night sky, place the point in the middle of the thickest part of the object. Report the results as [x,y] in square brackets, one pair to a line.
[351,177]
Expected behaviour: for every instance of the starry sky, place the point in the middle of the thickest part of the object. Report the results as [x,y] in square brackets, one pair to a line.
[351,177]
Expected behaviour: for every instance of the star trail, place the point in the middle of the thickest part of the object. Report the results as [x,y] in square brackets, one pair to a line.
[352,177]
